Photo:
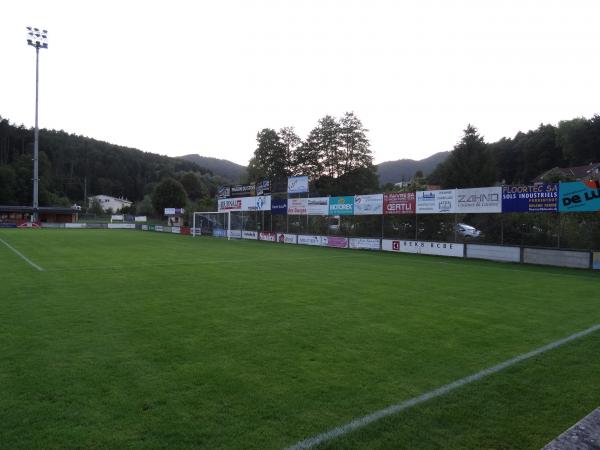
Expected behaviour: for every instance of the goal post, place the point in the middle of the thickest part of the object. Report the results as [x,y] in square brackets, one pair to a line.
[212,223]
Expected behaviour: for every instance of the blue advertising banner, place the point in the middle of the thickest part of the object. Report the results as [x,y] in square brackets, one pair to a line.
[279,206]
[341,206]
[536,198]
[579,196]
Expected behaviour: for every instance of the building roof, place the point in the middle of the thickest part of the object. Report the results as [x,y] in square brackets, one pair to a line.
[591,170]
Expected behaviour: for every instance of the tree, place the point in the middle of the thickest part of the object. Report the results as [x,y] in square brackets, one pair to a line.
[269,160]
[290,141]
[169,193]
[327,134]
[355,151]
[469,165]
[192,185]
[144,207]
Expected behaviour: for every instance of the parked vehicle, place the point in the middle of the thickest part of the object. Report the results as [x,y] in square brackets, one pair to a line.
[467,231]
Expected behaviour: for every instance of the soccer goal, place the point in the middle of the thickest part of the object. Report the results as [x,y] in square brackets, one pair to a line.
[219,224]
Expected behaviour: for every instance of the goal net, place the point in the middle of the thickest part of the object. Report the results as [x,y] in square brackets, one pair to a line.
[219,224]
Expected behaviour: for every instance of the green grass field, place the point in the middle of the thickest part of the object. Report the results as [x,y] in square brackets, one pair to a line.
[130,339]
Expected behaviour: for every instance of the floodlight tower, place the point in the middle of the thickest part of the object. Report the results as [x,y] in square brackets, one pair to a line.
[39,39]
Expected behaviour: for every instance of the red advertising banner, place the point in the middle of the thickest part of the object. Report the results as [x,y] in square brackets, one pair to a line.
[399,203]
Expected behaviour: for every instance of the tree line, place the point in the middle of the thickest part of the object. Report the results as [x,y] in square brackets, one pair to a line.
[73,167]
[519,160]
[336,155]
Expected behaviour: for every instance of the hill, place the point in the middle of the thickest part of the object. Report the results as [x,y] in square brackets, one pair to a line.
[404,169]
[72,166]
[227,169]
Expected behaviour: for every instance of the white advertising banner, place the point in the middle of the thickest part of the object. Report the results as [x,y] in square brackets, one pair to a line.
[144,227]
[266,236]
[368,204]
[235,234]
[230,204]
[436,202]
[310,240]
[141,219]
[259,203]
[286,238]
[297,185]
[121,226]
[317,206]
[158,228]
[176,230]
[479,200]
[75,225]
[365,243]
[116,217]
[425,248]
[249,235]
[297,206]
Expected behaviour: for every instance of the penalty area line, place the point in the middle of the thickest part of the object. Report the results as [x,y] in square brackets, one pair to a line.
[394,409]
[22,256]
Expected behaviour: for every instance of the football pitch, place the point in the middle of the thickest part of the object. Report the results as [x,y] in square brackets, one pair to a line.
[130,339]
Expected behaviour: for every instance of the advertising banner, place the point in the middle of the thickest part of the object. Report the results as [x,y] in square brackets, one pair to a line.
[436,202]
[165,229]
[263,187]
[144,227]
[218,232]
[230,204]
[479,200]
[368,204]
[596,261]
[249,235]
[365,243]
[310,240]
[261,203]
[399,203]
[279,206]
[235,234]
[297,206]
[224,191]
[425,248]
[536,198]
[141,219]
[341,206]
[119,216]
[336,242]
[152,228]
[297,185]
[266,236]
[317,206]
[174,211]
[176,230]
[121,226]
[285,238]
[579,196]
[243,190]
[75,225]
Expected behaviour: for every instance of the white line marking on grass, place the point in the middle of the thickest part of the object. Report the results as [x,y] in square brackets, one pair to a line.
[394,409]
[31,263]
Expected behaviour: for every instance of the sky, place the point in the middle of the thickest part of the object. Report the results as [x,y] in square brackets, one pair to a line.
[204,77]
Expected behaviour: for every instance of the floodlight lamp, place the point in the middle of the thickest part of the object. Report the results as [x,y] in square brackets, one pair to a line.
[37,38]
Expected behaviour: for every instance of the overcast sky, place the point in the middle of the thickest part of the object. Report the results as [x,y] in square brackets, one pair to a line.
[178,77]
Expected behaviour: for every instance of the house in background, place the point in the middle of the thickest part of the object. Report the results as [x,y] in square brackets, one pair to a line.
[577,173]
[107,202]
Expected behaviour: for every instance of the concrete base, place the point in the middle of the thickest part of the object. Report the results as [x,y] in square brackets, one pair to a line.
[584,435]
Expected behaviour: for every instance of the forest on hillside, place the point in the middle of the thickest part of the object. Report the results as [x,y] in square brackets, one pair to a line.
[73,166]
